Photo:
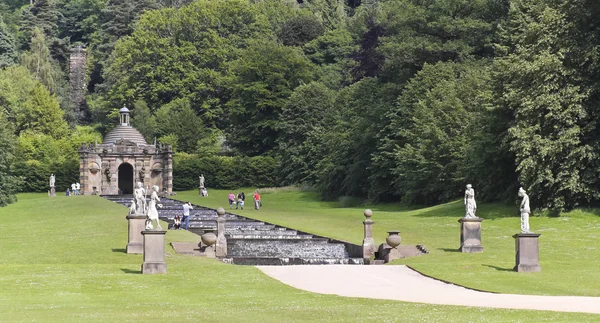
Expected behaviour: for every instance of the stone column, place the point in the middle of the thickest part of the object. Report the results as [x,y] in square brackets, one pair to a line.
[52,191]
[169,170]
[470,235]
[154,252]
[137,223]
[368,242]
[527,252]
[83,171]
[78,81]
[221,248]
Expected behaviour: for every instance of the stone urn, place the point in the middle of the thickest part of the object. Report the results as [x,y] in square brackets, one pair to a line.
[393,239]
[209,238]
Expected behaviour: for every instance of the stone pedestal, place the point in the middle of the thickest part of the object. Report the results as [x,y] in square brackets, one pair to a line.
[527,252]
[137,223]
[52,191]
[221,245]
[368,244]
[154,252]
[470,235]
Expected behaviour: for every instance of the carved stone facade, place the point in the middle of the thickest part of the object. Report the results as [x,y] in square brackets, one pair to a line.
[114,166]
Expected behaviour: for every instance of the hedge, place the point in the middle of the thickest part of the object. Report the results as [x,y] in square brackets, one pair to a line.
[224,172]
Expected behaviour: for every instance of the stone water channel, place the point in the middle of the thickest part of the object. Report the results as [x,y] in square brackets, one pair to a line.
[253,242]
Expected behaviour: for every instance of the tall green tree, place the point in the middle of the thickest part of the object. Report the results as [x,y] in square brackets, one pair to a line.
[39,62]
[28,105]
[346,168]
[550,84]
[184,54]
[143,120]
[178,121]
[9,184]
[435,118]
[116,20]
[264,78]
[419,32]
[8,50]
[81,20]
[308,114]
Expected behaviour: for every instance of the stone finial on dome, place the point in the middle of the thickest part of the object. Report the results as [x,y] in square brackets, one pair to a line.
[124,116]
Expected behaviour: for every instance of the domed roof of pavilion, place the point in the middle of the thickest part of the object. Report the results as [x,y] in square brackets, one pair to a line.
[128,133]
[124,131]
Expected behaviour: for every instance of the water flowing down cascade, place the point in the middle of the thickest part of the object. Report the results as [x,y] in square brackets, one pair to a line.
[252,242]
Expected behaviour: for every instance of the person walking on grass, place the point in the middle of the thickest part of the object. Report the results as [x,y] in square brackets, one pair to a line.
[240,202]
[231,198]
[186,214]
[257,203]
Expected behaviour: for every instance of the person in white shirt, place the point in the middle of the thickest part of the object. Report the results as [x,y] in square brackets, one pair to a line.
[186,214]
[73,189]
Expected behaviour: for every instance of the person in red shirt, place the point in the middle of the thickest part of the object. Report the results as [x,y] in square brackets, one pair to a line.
[257,203]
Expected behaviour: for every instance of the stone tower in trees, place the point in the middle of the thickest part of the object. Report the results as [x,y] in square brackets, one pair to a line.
[78,82]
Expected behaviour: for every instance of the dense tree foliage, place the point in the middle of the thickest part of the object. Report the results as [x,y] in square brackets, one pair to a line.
[382,100]
[8,48]
[9,184]
[263,79]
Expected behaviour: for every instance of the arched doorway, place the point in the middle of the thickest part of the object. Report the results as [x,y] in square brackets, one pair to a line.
[126,178]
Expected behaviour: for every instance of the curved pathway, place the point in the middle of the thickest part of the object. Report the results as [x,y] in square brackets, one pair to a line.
[404,284]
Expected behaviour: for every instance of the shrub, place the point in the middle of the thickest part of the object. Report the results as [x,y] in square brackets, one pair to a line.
[224,172]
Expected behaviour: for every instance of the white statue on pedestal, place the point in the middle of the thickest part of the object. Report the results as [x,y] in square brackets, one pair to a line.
[132,207]
[52,180]
[470,204]
[525,211]
[139,195]
[201,178]
[152,211]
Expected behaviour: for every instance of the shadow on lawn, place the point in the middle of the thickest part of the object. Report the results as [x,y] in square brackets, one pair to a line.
[499,268]
[130,271]
[448,249]
[122,250]
[456,209]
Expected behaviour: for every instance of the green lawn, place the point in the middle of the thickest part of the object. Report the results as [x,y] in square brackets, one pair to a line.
[569,245]
[62,259]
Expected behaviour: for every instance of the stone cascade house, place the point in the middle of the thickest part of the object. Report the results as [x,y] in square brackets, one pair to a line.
[123,159]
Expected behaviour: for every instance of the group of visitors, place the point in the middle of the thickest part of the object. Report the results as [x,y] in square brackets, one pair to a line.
[241,198]
[75,190]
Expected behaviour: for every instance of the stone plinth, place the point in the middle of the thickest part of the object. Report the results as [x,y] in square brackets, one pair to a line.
[221,245]
[154,252]
[137,224]
[470,235]
[386,253]
[527,252]
[368,244]
[52,191]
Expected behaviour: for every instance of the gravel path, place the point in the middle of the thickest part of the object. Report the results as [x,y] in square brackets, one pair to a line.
[404,284]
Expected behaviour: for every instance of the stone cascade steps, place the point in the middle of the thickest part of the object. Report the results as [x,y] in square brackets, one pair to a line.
[253,242]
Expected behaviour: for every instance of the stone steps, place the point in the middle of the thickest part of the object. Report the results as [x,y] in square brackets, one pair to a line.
[263,261]
[253,242]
